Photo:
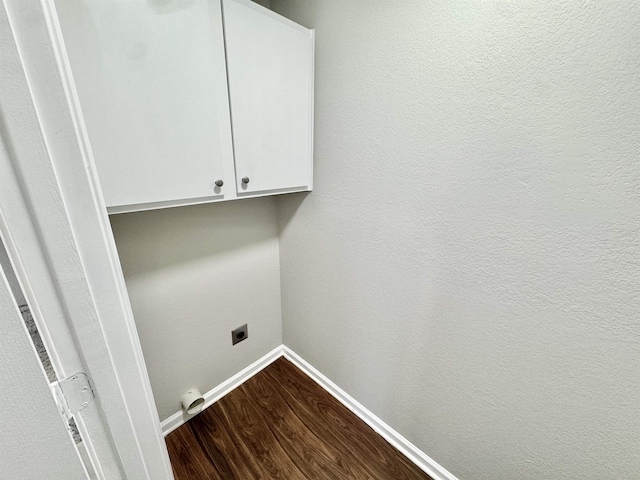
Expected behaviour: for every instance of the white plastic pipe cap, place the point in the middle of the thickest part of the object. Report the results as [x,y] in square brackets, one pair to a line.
[192,401]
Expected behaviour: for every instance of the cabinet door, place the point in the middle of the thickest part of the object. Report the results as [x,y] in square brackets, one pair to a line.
[270,71]
[151,82]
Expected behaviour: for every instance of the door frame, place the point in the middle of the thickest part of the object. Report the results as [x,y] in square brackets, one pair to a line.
[55,227]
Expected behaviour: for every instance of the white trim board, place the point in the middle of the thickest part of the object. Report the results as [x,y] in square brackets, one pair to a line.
[404,446]
[212,396]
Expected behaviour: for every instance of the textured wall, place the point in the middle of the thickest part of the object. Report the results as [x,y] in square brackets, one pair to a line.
[193,275]
[468,264]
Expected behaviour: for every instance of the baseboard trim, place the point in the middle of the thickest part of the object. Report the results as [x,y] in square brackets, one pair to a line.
[408,449]
[215,394]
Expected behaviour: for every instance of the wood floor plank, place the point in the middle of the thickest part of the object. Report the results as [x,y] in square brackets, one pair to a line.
[340,425]
[223,449]
[187,458]
[258,437]
[313,456]
[281,424]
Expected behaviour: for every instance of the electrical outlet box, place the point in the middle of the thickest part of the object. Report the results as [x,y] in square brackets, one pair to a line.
[239,334]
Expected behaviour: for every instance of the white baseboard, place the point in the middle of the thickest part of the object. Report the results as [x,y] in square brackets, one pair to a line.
[408,449]
[215,394]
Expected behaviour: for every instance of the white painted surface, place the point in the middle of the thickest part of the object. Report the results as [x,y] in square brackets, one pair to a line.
[54,225]
[152,83]
[467,267]
[193,275]
[5,263]
[216,393]
[270,68]
[34,443]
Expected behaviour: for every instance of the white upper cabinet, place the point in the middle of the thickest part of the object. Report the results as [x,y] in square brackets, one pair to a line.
[270,68]
[152,82]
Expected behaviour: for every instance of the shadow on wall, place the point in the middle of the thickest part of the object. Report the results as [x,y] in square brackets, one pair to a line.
[288,205]
[158,239]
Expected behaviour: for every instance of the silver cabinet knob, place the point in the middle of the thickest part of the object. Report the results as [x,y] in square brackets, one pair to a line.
[219,183]
[245,180]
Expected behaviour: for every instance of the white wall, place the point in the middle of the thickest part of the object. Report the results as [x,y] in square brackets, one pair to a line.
[193,275]
[467,266]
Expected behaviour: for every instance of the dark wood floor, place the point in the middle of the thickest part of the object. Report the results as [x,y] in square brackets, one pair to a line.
[281,424]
